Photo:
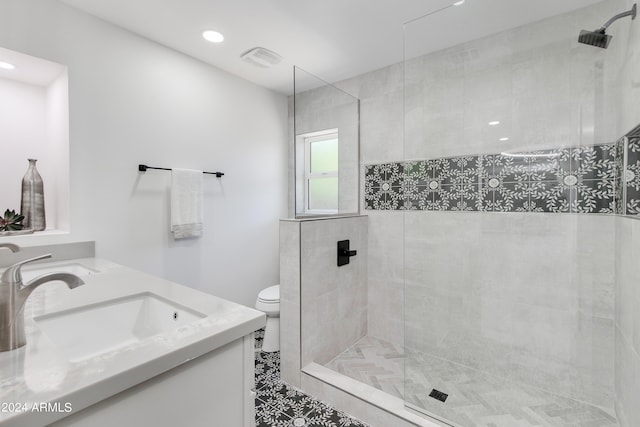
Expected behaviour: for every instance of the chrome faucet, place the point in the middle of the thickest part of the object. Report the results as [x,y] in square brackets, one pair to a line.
[14,294]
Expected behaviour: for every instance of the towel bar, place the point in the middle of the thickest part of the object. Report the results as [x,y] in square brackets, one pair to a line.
[143,168]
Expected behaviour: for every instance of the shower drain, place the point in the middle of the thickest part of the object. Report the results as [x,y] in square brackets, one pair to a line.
[299,422]
[437,394]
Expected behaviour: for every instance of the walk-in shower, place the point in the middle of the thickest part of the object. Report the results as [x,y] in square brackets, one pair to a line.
[493,169]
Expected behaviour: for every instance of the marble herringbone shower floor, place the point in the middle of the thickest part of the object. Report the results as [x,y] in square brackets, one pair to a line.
[476,399]
[375,362]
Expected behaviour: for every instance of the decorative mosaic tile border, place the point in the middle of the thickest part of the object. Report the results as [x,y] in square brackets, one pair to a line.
[583,179]
[632,174]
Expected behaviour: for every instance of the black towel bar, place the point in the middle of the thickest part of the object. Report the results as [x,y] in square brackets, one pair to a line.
[143,168]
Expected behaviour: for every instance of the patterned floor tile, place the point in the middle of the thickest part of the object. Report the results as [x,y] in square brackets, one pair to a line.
[267,416]
[330,417]
[259,336]
[286,399]
[280,405]
[267,369]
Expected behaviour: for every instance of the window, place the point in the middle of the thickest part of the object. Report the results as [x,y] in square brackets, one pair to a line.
[321,172]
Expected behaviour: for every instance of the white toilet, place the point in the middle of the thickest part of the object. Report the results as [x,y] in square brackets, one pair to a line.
[269,302]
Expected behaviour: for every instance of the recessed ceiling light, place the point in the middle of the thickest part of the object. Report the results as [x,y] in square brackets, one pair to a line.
[504,139]
[458,3]
[212,36]
[494,123]
[7,66]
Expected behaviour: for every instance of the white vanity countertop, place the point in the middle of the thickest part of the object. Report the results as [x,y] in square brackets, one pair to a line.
[39,372]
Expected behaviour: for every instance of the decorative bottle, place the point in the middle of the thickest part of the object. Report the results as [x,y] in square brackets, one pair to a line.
[32,206]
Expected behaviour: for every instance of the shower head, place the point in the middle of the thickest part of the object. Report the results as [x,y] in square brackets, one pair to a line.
[596,38]
[599,37]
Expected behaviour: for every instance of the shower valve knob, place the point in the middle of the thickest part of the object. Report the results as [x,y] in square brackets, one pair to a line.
[344,253]
[348,253]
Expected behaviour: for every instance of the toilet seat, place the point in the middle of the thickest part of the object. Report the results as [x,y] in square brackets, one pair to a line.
[270,294]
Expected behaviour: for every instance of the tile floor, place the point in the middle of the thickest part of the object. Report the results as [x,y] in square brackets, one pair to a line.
[374,362]
[281,405]
[476,399]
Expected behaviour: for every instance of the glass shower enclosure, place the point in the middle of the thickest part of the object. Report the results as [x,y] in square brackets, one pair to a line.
[326,148]
[509,179]
[484,292]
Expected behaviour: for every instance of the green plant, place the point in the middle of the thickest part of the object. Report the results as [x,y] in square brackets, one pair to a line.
[11,221]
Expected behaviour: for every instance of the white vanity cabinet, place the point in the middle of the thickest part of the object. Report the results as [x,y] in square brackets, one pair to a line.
[213,390]
[199,372]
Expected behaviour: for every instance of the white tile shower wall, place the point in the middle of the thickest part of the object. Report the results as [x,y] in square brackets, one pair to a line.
[290,301]
[381,129]
[333,299]
[327,108]
[626,47]
[569,301]
[627,51]
[627,319]
[291,161]
[511,75]
[385,272]
[544,88]
[523,297]
[381,99]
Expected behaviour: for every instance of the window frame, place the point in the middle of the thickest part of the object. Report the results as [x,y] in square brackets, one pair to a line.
[309,139]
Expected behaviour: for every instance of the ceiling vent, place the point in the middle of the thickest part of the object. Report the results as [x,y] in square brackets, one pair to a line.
[261,57]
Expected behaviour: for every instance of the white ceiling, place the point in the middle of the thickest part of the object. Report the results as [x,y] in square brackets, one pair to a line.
[29,69]
[333,39]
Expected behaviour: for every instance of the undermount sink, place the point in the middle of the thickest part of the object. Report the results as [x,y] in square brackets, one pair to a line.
[85,332]
[29,273]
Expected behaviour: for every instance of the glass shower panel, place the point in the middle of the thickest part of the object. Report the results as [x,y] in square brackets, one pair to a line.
[509,180]
[326,147]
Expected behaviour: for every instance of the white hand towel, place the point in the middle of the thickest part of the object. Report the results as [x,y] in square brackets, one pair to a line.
[186,203]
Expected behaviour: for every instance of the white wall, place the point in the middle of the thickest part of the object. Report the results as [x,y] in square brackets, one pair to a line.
[57,106]
[23,124]
[35,124]
[133,101]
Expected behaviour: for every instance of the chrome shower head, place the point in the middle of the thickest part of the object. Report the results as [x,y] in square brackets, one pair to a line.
[599,37]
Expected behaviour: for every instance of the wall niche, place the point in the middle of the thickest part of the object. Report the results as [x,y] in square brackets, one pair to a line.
[34,124]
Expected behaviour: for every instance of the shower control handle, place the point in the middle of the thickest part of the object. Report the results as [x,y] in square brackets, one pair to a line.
[344,253]
[348,253]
